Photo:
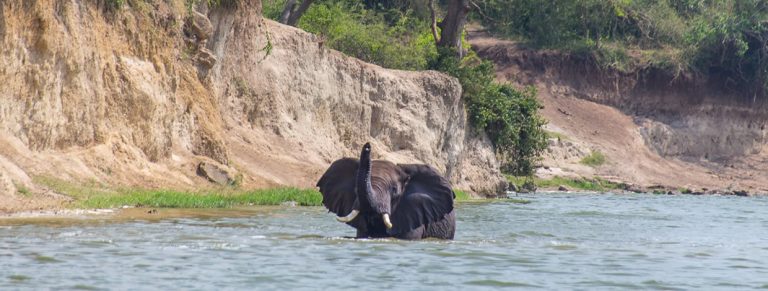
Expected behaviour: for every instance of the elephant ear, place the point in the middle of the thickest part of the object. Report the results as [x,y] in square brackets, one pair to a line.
[427,198]
[338,186]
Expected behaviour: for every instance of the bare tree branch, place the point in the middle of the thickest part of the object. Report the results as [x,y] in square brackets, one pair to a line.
[480,11]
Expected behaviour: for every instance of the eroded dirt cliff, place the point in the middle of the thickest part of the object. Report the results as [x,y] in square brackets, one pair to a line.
[655,128]
[139,96]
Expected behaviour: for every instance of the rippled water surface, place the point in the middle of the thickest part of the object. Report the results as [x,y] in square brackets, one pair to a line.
[558,241]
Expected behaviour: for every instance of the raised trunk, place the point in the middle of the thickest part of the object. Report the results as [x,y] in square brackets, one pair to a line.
[363,184]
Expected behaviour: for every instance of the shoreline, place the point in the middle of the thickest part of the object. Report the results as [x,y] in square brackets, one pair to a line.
[602,185]
[550,190]
[149,211]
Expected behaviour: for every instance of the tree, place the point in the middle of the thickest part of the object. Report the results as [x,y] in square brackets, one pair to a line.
[291,14]
[452,26]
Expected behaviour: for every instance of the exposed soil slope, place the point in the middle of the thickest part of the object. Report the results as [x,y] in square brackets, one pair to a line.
[654,129]
[141,95]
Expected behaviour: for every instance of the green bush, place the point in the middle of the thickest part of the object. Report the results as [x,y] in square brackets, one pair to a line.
[210,199]
[595,158]
[391,38]
[509,116]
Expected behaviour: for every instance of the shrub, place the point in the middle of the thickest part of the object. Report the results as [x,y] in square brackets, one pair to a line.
[509,116]
[391,38]
[595,158]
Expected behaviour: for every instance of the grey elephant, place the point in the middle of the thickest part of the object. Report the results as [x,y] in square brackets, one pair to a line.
[381,199]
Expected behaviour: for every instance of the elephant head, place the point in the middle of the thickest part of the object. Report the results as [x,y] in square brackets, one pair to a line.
[382,199]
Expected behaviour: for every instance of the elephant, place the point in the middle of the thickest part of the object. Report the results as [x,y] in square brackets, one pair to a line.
[381,199]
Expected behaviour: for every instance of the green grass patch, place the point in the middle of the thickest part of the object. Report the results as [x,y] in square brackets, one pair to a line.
[23,190]
[461,195]
[94,195]
[594,159]
[82,191]
[583,184]
[208,199]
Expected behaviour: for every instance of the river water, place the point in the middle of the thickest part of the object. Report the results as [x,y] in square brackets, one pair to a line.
[558,241]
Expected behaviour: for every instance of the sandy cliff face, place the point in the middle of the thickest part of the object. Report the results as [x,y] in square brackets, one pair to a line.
[98,96]
[313,105]
[140,96]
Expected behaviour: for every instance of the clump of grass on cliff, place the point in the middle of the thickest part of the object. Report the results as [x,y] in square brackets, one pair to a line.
[594,159]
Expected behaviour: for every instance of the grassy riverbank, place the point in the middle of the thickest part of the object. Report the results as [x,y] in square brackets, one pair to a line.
[579,184]
[219,198]
[207,199]
[96,196]
[93,195]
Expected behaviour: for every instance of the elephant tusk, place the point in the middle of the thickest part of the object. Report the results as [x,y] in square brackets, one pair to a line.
[388,223]
[349,217]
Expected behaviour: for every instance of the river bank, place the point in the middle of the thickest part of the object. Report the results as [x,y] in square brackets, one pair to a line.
[149,94]
[601,185]
[642,128]
[88,199]
[92,199]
